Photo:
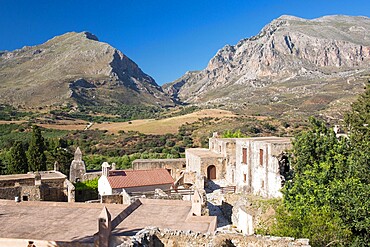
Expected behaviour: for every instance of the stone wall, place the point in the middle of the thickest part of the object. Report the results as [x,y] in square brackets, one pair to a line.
[32,193]
[165,237]
[14,182]
[193,162]
[55,194]
[91,175]
[9,193]
[227,148]
[174,166]
[54,190]
[116,199]
[200,163]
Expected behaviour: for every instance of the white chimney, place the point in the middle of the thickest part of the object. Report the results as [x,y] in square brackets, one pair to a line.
[105,169]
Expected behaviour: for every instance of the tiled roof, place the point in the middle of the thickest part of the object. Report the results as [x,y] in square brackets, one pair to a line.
[135,178]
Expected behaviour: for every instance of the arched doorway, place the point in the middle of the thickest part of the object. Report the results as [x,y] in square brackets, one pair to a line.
[211,172]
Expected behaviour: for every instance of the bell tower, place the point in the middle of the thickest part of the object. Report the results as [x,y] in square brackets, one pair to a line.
[77,169]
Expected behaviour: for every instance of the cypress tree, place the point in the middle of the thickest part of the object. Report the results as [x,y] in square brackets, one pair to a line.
[35,154]
[17,159]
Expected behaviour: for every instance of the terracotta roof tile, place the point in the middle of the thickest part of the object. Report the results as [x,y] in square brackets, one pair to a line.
[135,178]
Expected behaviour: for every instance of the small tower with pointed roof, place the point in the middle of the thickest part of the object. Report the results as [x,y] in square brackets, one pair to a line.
[77,169]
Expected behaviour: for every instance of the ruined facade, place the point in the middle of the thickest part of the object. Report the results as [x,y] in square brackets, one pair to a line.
[261,165]
[254,165]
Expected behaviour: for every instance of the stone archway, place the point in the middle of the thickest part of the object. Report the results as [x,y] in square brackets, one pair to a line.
[211,172]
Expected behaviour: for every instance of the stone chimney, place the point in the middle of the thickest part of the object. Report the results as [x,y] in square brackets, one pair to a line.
[37,178]
[105,226]
[105,169]
[113,166]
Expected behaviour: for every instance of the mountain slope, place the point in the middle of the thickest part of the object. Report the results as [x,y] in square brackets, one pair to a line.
[74,68]
[292,66]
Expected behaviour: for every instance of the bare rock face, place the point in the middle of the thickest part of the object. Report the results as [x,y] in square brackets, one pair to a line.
[74,68]
[291,60]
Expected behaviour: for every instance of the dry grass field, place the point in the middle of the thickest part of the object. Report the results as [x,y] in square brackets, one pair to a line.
[11,122]
[66,125]
[146,126]
[162,126]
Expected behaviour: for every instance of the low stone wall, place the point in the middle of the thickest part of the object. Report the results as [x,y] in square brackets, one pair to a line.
[116,199]
[166,237]
[91,175]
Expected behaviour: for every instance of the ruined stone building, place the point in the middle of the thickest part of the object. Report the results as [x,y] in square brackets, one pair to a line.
[261,165]
[214,163]
[38,186]
[254,165]
[117,181]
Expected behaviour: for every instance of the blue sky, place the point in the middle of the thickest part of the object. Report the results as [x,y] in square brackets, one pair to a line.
[165,38]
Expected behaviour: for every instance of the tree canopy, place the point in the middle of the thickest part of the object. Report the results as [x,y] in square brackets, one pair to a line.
[17,159]
[327,199]
[36,151]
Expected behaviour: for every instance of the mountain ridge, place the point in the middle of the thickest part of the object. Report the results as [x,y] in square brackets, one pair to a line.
[256,72]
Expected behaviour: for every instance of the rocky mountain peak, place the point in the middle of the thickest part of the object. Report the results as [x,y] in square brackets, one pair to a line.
[287,49]
[76,68]
[91,36]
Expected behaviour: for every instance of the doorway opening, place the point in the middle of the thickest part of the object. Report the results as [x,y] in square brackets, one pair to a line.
[211,172]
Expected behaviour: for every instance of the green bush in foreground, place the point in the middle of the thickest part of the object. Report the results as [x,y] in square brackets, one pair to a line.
[327,199]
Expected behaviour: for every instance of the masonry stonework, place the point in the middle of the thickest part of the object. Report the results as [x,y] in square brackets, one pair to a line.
[174,166]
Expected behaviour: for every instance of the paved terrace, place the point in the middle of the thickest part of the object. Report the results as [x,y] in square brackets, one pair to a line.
[171,214]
